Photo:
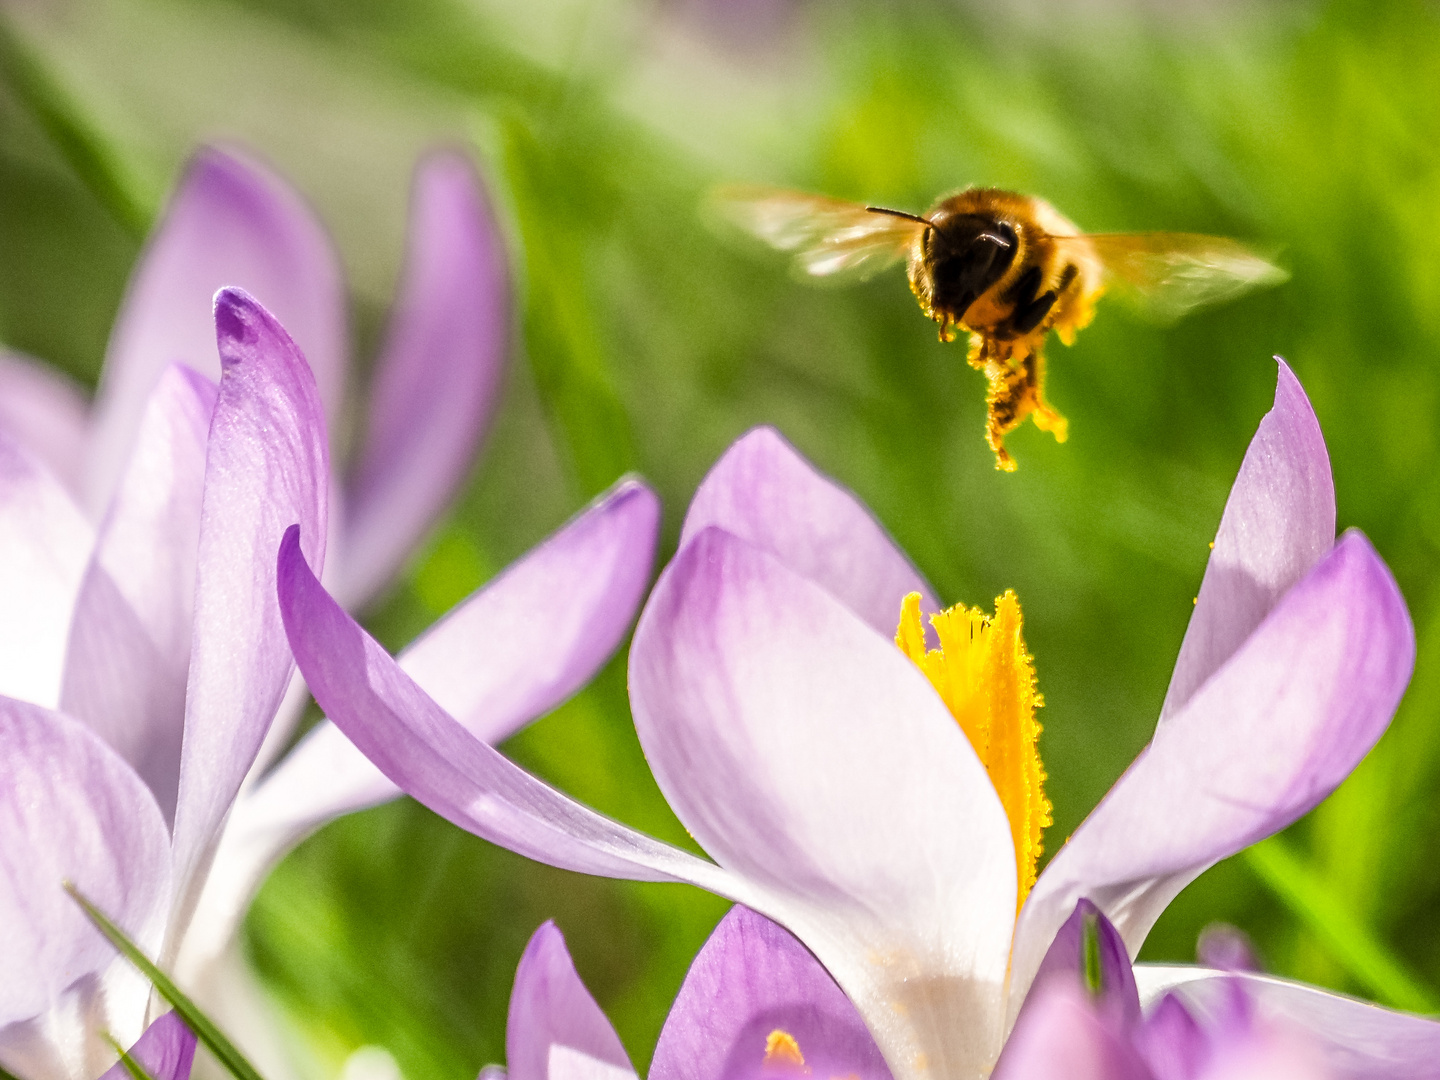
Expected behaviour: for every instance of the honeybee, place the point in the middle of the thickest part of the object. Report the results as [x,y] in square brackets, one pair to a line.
[1006,268]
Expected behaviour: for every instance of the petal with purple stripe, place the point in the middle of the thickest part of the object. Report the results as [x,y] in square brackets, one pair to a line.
[267,466]
[166,1051]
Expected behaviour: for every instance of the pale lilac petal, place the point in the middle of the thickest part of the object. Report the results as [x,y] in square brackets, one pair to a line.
[566,1063]
[230,222]
[47,413]
[1171,1041]
[1227,948]
[1117,1000]
[1276,729]
[44,545]
[1061,1037]
[70,810]
[550,1006]
[267,466]
[510,653]
[751,978]
[1279,522]
[437,377]
[807,754]
[429,755]
[764,492]
[130,639]
[1355,1039]
[165,1051]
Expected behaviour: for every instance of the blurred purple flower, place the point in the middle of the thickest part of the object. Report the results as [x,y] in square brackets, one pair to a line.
[232,221]
[754,1004]
[818,767]
[150,662]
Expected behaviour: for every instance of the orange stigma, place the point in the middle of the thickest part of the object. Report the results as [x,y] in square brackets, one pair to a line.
[987,680]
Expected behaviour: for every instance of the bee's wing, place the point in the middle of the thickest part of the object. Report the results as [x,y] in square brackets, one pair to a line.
[1169,274]
[830,237]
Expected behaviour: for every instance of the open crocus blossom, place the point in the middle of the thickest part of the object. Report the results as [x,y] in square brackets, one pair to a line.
[823,769]
[155,662]
[754,1004]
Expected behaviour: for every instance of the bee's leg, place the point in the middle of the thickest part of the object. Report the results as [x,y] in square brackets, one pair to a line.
[1046,417]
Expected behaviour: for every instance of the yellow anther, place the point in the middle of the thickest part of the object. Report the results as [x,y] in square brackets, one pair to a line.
[987,681]
[783,1052]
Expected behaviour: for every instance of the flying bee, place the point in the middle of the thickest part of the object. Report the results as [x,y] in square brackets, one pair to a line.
[1006,268]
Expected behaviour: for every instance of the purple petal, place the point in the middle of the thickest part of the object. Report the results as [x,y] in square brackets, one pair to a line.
[764,492]
[130,639]
[1276,729]
[1171,1042]
[44,545]
[429,755]
[1356,1040]
[45,412]
[166,1051]
[437,377]
[1279,522]
[753,978]
[1226,948]
[230,222]
[267,467]
[550,1006]
[70,810]
[1060,1036]
[510,653]
[1117,1000]
[806,753]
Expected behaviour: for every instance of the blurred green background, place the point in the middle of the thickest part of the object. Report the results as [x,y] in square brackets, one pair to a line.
[646,342]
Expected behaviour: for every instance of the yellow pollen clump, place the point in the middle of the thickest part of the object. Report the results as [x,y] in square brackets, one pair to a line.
[782,1051]
[987,680]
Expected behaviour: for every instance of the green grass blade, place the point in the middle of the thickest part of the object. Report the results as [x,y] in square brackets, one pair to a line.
[91,156]
[214,1040]
[1367,959]
[136,1070]
[6,1074]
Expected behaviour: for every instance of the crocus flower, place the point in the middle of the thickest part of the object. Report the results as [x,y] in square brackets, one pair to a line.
[754,1004]
[123,770]
[826,775]
[1082,1020]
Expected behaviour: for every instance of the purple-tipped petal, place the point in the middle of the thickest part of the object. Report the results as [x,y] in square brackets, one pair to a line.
[1060,1036]
[753,978]
[45,412]
[1355,1039]
[129,649]
[267,466]
[510,653]
[166,1051]
[1279,522]
[1117,1000]
[429,755]
[70,810]
[550,1007]
[764,492]
[437,377]
[230,222]
[1276,729]
[1226,948]
[44,545]
[1171,1042]
[796,744]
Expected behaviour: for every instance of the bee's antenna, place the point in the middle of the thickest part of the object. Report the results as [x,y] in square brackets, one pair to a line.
[899,214]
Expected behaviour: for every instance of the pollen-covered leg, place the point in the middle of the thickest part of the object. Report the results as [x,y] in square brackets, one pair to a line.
[1016,391]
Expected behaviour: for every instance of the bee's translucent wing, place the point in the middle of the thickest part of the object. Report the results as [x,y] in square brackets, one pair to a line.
[830,237]
[1169,274]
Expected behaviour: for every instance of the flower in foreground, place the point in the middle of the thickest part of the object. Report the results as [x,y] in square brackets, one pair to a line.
[164,628]
[754,1004]
[832,785]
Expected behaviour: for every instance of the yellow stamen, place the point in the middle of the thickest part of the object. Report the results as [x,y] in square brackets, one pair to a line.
[987,681]
[782,1052]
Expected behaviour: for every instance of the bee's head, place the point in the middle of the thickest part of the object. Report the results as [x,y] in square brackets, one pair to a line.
[966,254]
